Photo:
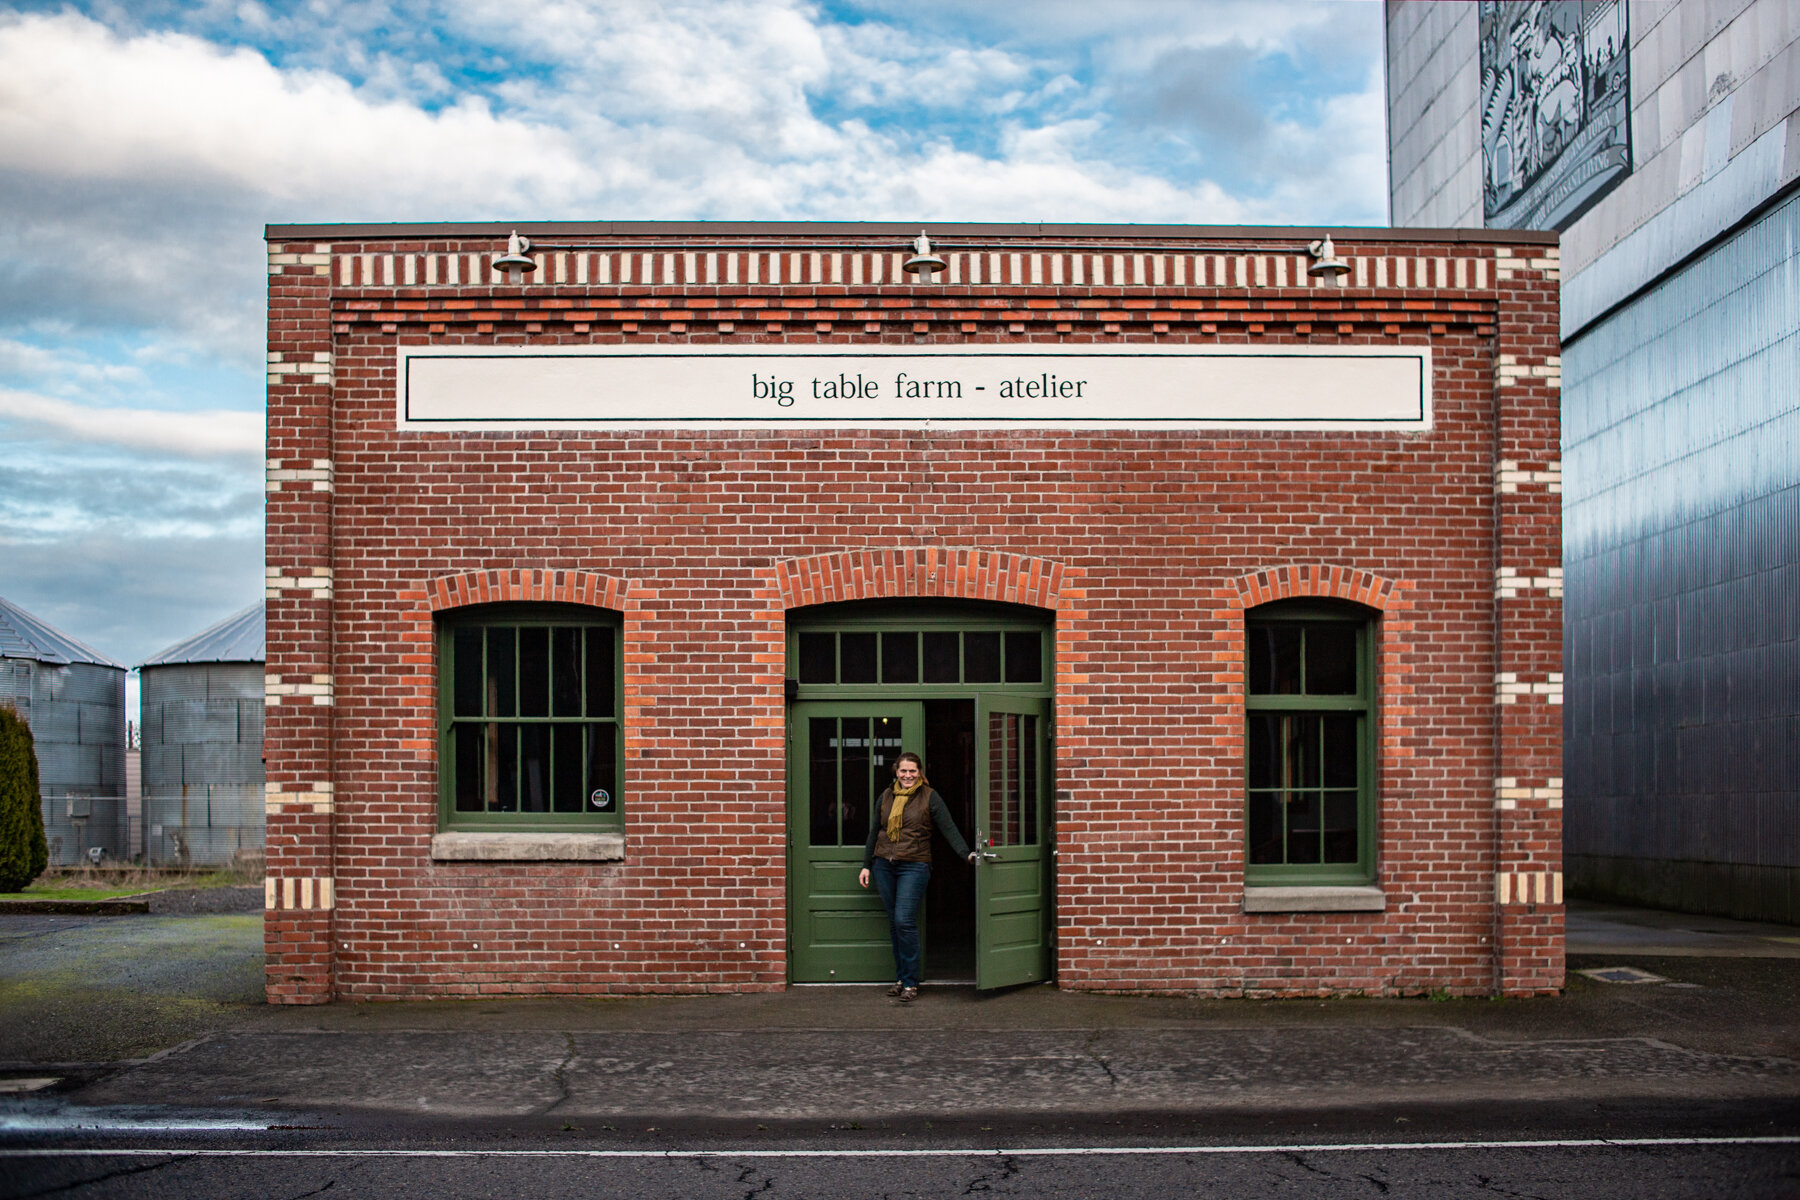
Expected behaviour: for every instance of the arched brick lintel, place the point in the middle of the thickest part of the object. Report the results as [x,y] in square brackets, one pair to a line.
[1322,580]
[492,587]
[934,571]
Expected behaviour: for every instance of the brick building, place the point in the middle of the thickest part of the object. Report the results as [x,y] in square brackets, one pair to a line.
[606,579]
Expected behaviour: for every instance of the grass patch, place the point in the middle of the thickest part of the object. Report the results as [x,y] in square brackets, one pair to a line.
[34,892]
[109,881]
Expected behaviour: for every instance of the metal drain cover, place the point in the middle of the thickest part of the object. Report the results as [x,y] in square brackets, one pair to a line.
[1621,975]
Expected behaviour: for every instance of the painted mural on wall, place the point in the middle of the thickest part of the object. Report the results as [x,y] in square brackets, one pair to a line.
[1555,109]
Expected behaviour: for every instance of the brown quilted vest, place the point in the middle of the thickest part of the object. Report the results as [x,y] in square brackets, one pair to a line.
[914,843]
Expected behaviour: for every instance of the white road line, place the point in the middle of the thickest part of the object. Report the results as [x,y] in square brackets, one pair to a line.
[965,1152]
[17,1125]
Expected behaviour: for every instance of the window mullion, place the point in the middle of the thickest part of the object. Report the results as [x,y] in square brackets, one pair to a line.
[1324,821]
[1287,781]
[1287,703]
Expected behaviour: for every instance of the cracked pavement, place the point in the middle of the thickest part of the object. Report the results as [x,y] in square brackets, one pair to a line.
[1721,1027]
[875,1074]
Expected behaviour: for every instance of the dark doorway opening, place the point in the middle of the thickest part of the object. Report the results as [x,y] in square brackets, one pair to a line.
[968,686]
[949,752]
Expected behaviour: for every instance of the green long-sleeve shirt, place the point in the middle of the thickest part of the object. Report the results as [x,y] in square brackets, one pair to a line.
[914,843]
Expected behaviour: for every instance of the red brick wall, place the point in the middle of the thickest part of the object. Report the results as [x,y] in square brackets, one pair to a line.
[1148,547]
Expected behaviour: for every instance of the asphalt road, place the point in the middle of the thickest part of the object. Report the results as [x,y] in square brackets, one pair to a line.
[1598,1151]
[80,989]
[1634,1173]
[168,1077]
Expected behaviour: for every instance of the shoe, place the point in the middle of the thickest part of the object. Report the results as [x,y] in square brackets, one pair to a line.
[896,989]
[908,995]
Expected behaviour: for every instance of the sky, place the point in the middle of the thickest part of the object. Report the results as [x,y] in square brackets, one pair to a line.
[144,146]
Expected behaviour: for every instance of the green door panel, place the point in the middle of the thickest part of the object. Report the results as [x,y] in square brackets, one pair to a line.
[840,757]
[1012,817]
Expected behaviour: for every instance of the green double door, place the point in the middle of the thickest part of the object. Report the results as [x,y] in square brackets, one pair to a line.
[841,757]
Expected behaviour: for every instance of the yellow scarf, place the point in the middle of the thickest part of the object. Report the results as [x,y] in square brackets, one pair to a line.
[901,796]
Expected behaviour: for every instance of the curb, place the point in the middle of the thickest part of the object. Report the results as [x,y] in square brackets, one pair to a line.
[119,906]
[217,901]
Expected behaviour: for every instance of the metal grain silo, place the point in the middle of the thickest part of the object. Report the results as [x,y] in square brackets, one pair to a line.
[202,717]
[73,697]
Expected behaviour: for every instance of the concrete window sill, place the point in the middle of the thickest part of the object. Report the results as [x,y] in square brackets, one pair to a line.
[528,847]
[1313,899]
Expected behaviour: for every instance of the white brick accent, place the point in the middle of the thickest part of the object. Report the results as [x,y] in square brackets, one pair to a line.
[1528,887]
[1508,478]
[1508,793]
[1549,261]
[305,893]
[316,689]
[317,366]
[1508,688]
[1509,371]
[319,259]
[314,477]
[317,796]
[316,580]
[1510,582]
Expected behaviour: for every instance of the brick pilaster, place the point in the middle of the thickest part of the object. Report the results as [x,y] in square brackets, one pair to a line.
[300,891]
[1528,681]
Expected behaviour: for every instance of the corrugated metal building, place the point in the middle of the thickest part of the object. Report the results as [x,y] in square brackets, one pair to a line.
[202,713]
[1681,404]
[73,697]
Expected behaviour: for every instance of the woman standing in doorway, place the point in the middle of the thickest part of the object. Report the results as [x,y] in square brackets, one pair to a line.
[898,857]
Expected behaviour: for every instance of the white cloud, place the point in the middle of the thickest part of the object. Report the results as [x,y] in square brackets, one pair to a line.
[186,434]
[172,111]
[61,371]
[150,161]
[142,150]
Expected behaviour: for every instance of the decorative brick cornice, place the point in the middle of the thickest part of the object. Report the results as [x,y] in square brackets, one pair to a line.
[396,265]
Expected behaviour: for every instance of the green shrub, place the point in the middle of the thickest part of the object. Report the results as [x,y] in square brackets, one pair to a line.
[23,852]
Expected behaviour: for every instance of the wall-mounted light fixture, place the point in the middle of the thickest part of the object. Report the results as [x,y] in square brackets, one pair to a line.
[1327,264]
[924,260]
[515,262]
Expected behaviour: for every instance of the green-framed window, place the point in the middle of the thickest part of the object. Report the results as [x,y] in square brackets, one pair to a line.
[883,646]
[1309,744]
[529,717]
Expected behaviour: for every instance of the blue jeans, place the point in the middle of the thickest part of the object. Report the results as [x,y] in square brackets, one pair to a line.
[902,888]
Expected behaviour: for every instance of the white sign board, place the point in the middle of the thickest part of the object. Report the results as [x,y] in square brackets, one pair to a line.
[914,387]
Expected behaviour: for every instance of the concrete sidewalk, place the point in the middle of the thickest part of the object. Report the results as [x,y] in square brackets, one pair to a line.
[1718,1021]
[1616,930]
